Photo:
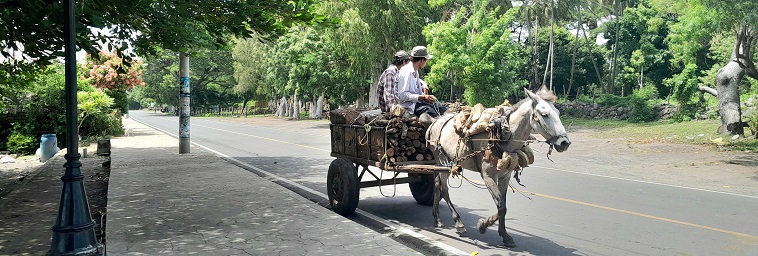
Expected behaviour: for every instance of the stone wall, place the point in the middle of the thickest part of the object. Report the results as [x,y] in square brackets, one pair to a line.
[592,111]
[596,111]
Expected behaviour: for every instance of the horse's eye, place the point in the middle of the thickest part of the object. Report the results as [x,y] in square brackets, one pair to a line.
[544,114]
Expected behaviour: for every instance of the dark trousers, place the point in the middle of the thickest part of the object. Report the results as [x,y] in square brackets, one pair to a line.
[435,109]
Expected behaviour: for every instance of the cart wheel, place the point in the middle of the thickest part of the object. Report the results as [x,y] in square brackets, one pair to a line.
[342,186]
[423,191]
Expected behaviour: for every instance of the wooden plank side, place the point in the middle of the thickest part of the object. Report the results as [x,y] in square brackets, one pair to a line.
[362,146]
[338,139]
[351,141]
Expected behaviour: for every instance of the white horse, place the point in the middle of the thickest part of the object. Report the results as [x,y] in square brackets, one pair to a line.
[535,113]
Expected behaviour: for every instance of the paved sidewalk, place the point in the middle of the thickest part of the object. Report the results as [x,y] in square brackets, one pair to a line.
[162,202]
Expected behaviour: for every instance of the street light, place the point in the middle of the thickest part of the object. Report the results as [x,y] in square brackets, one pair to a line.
[74,229]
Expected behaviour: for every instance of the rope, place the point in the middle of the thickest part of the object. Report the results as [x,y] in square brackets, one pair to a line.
[394,184]
[365,138]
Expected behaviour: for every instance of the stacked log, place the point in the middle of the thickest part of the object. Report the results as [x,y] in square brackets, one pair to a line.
[403,136]
[405,140]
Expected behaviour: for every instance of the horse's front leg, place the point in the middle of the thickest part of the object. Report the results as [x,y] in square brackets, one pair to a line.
[484,223]
[503,182]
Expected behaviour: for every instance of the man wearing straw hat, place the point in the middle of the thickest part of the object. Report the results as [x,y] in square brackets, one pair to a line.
[410,89]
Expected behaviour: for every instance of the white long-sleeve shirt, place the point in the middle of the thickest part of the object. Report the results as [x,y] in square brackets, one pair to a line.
[408,87]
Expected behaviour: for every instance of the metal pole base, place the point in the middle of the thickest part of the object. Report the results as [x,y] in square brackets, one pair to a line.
[74,230]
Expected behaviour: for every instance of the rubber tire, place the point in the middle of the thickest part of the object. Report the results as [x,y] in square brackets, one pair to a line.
[423,191]
[342,186]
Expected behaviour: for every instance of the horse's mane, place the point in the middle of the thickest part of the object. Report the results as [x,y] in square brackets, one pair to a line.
[544,94]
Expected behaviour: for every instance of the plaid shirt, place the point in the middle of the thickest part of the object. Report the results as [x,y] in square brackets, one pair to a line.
[387,89]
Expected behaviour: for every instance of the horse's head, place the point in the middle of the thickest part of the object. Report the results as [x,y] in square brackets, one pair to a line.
[546,119]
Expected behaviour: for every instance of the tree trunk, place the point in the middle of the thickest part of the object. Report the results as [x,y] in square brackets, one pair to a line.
[592,57]
[728,81]
[373,99]
[619,13]
[320,106]
[244,108]
[566,92]
[295,108]
[360,101]
[281,111]
[534,73]
[727,85]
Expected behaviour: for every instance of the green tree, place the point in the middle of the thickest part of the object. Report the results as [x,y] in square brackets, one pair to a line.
[642,53]
[250,70]
[107,72]
[699,22]
[92,103]
[36,25]
[477,52]
[212,79]
[562,60]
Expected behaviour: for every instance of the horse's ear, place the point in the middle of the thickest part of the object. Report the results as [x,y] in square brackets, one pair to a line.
[535,99]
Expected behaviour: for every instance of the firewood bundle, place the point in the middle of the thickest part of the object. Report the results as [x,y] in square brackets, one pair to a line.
[379,136]
[406,141]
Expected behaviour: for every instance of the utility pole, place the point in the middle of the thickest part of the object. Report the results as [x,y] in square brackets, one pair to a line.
[184,104]
[74,229]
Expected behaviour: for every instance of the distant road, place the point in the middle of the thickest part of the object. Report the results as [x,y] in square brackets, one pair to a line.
[569,213]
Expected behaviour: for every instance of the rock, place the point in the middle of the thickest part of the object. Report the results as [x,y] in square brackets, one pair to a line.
[7,160]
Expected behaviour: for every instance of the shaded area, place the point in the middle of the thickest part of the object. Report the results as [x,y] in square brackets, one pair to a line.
[29,211]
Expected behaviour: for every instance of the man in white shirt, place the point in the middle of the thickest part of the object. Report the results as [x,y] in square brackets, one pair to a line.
[410,89]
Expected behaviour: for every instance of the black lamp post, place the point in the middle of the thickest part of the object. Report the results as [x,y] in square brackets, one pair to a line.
[74,229]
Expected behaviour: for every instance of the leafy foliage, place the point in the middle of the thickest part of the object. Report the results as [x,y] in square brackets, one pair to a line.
[685,88]
[108,73]
[35,25]
[92,103]
[21,143]
[475,52]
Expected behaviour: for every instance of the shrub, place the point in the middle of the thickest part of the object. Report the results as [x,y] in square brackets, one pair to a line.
[752,122]
[102,123]
[641,103]
[22,144]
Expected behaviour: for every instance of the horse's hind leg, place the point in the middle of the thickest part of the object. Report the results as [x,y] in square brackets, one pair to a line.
[440,181]
[443,192]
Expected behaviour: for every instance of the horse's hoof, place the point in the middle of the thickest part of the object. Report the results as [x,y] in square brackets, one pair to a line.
[461,231]
[439,225]
[481,227]
[508,241]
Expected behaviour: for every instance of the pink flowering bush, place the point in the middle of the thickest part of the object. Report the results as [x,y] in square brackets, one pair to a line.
[115,77]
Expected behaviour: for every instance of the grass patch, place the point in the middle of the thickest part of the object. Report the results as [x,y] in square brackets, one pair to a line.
[745,145]
[691,132]
[27,157]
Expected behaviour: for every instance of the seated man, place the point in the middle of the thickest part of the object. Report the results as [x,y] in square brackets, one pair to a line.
[410,93]
[386,90]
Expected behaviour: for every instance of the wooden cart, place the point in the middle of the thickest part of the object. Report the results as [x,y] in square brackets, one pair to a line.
[356,146]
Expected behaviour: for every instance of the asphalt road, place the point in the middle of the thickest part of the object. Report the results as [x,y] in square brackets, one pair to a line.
[560,212]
